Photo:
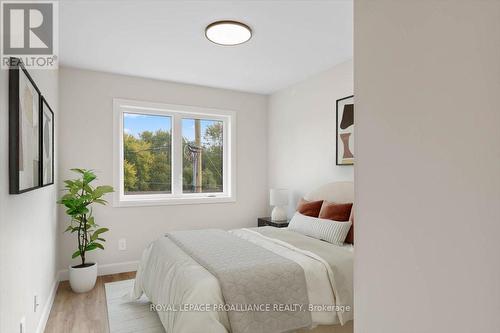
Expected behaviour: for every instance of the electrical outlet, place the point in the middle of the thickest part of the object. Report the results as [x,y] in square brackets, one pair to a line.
[22,325]
[35,303]
[122,244]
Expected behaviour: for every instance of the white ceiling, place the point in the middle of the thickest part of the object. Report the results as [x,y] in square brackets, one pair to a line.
[165,40]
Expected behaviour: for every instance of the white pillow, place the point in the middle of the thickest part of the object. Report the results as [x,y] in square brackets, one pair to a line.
[331,231]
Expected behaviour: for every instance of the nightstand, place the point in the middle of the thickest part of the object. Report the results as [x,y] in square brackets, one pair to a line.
[263,221]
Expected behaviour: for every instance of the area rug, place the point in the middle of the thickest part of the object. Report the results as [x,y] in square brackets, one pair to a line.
[129,316]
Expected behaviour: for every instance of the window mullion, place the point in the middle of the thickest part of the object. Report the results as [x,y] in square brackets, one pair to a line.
[177,156]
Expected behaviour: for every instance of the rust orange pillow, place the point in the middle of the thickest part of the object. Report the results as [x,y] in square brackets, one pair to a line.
[309,208]
[335,211]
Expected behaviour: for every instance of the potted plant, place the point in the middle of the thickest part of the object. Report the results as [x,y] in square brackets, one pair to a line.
[78,202]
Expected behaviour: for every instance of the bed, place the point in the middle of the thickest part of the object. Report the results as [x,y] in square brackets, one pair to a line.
[299,283]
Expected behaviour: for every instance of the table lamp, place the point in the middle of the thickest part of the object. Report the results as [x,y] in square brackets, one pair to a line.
[278,198]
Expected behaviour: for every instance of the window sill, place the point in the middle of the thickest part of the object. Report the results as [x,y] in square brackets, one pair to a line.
[122,202]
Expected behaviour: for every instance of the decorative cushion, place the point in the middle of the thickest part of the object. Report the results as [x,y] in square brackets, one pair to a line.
[309,208]
[333,232]
[335,211]
[350,236]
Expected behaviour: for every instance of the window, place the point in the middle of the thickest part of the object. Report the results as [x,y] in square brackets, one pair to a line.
[203,156]
[168,154]
[147,146]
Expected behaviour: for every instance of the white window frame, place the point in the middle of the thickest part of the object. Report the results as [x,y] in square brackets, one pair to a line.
[177,113]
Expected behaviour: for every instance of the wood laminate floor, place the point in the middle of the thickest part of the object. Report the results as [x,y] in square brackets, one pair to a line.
[82,313]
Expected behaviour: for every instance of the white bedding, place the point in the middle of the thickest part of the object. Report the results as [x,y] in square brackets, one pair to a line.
[168,276]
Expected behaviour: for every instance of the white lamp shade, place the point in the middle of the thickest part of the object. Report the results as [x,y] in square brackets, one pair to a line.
[278,197]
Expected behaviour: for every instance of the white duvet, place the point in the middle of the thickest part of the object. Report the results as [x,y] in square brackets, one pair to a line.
[169,278]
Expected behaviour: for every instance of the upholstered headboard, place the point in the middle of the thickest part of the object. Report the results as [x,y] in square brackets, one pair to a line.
[336,192]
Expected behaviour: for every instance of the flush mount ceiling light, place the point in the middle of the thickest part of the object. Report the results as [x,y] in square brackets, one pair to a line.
[228,32]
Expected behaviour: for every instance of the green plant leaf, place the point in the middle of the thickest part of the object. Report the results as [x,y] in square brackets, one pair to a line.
[71,228]
[88,177]
[106,188]
[101,230]
[77,170]
[102,190]
[94,236]
[88,188]
[100,201]
[90,247]
[76,254]
[69,182]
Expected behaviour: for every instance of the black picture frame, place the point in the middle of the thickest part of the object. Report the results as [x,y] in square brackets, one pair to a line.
[45,109]
[337,134]
[16,69]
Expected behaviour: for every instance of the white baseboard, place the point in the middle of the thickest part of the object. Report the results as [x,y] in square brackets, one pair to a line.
[47,307]
[121,267]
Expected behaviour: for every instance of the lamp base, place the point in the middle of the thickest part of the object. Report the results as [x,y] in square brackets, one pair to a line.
[278,214]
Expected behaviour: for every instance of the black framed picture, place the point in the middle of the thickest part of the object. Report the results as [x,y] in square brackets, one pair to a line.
[24,130]
[345,131]
[47,158]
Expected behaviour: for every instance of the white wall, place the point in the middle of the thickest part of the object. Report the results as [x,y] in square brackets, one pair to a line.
[302,133]
[427,85]
[28,228]
[86,140]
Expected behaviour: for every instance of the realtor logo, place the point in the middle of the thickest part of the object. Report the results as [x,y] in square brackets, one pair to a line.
[29,32]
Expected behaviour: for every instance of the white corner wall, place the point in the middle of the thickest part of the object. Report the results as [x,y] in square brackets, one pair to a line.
[427,85]
[302,133]
[86,140]
[28,229]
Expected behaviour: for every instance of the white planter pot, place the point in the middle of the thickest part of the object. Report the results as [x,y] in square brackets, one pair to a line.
[83,279]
